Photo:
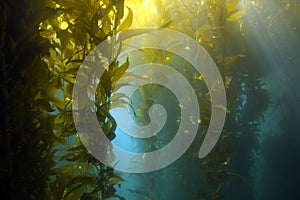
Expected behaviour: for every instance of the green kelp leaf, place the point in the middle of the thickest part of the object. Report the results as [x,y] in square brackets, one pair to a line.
[115,180]
[119,72]
[50,60]
[74,158]
[65,157]
[69,78]
[235,16]
[133,75]
[106,26]
[58,102]
[48,33]
[59,140]
[120,85]
[231,5]
[166,25]
[59,119]
[69,51]
[120,11]
[127,22]
[202,30]
[227,81]
[120,103]
[111,135]
[64,37]
[88,180]
[104,87]
[118,96]
[77,148]
[46,30]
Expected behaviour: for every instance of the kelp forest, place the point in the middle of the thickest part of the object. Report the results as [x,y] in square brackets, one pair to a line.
[255,46]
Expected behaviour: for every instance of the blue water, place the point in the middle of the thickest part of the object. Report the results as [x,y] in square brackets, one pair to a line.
[265,159]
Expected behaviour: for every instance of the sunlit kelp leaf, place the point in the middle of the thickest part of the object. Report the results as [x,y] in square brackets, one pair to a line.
[73,15]
[200,78]
[106,26]
[127,22]
[231,5]
[58,102]
[228,80]
[53,61]
[235,16]
[118,96]
[207,96]
[49,33]
[71,71]
[59,119]
[62,22]
[119,11]
[70,78]
[100,27]
[166,24]
[202,30]
[120,103]
[46,30]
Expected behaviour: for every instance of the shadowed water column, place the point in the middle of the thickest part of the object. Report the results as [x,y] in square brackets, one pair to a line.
[180,175]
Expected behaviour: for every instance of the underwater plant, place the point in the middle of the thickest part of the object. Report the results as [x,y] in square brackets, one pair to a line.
[45,157]
[43,44]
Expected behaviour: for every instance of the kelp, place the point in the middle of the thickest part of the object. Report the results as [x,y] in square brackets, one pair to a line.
[73,31]
[210,23]
[44,154]
[43,44]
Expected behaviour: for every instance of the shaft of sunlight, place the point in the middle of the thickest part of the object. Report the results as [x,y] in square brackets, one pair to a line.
[145,13]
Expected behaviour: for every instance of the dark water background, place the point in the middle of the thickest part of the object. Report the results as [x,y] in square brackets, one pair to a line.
[274,162]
